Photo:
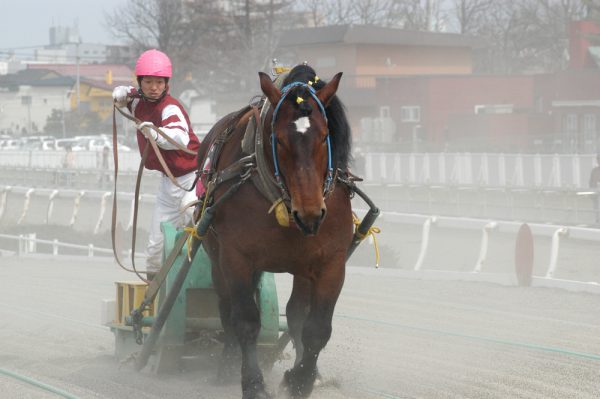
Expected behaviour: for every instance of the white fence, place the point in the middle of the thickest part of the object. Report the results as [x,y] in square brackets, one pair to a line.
[128,161]
[89,211]
[486,170]
[570,171]
[545,277]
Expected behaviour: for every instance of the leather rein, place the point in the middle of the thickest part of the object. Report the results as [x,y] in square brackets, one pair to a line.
[168,172]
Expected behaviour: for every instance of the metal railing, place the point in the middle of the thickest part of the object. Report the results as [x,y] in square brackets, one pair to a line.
[27,244]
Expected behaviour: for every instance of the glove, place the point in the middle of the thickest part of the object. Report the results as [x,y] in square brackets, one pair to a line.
[147,129]
[120,94]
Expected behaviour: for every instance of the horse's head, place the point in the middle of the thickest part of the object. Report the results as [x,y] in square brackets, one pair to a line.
[301,146]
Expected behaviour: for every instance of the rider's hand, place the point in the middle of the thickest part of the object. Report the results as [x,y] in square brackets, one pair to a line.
[147,129]
[120,94]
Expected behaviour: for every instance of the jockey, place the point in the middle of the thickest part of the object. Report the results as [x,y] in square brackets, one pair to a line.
[154,106]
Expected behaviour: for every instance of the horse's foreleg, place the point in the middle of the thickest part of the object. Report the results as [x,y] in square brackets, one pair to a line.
[316,331]
[296,312]
[230,356]
[245,320]
[228,367]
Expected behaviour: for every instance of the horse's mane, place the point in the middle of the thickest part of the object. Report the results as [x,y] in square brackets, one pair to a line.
[339,127]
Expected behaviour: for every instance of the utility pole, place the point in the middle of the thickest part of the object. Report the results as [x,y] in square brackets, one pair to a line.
[77,70]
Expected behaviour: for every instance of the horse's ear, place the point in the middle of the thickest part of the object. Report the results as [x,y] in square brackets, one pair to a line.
[268,88]
[326,93]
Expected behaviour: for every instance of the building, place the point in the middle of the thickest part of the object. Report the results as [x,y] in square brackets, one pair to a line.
[556,112]
[416,91]
[368,53]
[28,97]
[96,82]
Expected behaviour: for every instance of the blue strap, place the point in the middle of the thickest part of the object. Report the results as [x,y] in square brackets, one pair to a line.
[285,91]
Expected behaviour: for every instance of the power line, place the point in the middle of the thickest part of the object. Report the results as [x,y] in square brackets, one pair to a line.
[49,57]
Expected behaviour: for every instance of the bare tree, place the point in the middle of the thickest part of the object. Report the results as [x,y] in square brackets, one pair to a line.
[209,40]
[470,14]
[424,15]
[592,9]
[221,44]
[372,12]
[313,10]
[338,12]
[148,23]
[528,36]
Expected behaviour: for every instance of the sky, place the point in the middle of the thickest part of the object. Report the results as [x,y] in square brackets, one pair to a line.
[25,23]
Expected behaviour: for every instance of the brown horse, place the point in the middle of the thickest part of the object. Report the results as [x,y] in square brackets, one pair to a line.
[308,143]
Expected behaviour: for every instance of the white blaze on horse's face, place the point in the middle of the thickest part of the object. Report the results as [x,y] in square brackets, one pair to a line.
[302,124]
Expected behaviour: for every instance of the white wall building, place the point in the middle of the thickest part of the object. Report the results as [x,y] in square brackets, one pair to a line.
[25,104]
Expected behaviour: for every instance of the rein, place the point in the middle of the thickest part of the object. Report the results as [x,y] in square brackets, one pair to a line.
[138,184]
[156,149]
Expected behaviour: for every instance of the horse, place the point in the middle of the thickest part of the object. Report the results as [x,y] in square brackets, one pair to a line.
[308,143]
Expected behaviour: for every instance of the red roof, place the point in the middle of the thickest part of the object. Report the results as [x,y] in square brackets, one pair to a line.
[120,72]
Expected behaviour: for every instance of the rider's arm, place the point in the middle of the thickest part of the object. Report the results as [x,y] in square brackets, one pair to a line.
[175,126]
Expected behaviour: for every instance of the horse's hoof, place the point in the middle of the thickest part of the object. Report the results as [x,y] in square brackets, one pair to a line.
[256,394]
[297,385]
[228,375]
[318,380]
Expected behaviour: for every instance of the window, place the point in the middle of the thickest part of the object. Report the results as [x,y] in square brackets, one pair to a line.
[589,123]
[539,104]
[410,113]
[570,123]
[493,109]
[384,112]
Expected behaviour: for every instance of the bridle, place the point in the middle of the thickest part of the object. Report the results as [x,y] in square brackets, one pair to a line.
[328,184]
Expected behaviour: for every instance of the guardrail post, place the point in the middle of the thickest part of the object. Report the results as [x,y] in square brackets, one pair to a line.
[76,204]
[51,197]
[424,241]
[484,245]
[563,231]
[90,250]
[25,205]
[102,211]
[31,244]
[55,247]
[3,200]
[20,248]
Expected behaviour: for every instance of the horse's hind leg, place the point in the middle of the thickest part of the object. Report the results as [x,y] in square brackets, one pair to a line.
[316,331]
[296,312]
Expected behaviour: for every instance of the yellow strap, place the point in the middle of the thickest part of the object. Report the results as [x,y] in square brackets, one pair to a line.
[281,212]
[193,231]
[372,231]
[193,235]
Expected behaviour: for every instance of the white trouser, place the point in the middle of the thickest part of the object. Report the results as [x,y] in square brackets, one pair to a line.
[170,200]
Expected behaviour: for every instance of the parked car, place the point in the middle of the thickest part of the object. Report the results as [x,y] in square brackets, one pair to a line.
[11,144]
[61,144]
[99,142]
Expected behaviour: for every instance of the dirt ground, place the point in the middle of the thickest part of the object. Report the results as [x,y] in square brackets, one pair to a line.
[392,338]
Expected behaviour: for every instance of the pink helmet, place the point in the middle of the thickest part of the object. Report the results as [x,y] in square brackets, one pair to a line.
[153,63]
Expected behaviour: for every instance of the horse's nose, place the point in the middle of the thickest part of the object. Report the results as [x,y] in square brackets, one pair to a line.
[309,222]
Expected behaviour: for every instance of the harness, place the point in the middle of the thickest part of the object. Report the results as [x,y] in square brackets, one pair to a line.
[285,91]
